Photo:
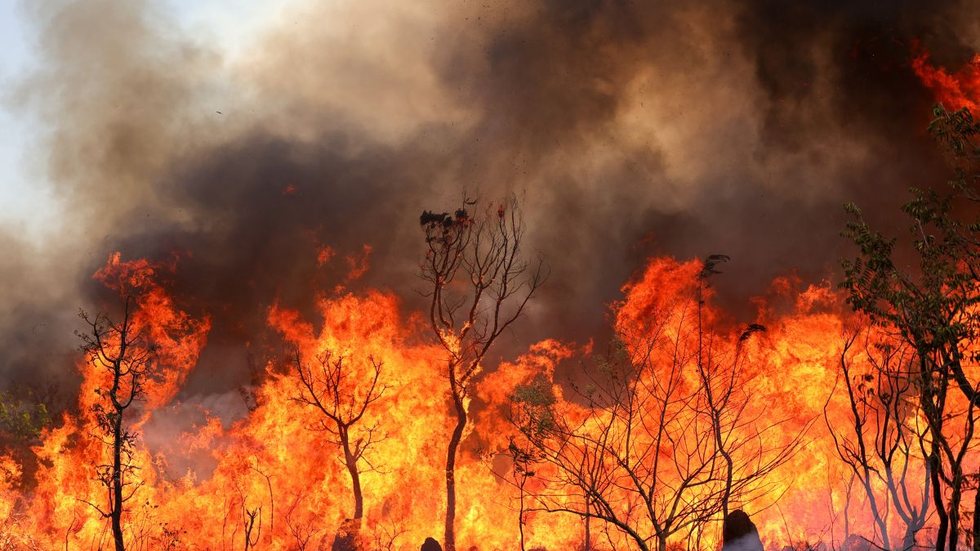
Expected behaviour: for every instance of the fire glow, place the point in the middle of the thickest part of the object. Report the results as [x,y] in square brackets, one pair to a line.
[340,440]
[274,464]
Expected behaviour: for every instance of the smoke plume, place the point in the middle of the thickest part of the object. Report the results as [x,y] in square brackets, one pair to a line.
[628,129]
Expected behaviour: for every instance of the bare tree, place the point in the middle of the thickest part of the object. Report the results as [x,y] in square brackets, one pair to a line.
[124,352]
[305,534]
[332,388]
[385,536]
[532,411]
[251,522]
[722,384]
[884,437]
[662,443]
[613,455]
[478,283]
[247,517]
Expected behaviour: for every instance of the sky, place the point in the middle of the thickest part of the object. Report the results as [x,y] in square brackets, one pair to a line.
[27,203]
[24,200]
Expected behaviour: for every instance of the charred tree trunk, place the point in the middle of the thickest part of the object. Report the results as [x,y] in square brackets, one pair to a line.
[520,518]
[588,528]
[118,436]
[908,541]
[115,511]
[729,470]
[954,511]
[937,498]
[454,440]
[931,402]
[350,461]
[520,522]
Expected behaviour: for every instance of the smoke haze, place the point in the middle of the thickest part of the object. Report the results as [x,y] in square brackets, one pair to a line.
[629,129]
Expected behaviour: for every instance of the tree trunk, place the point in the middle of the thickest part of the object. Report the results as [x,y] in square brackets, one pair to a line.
[937,498]
[954,511]
[355,477]
[520,518]
[873,503]
[908,540]
[115,511]
[729,472]
[976,517]
[457,436]
[588,528]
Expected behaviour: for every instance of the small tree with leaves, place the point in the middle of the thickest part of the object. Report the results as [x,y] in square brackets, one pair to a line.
[934,307]
[531,411]
[478,282]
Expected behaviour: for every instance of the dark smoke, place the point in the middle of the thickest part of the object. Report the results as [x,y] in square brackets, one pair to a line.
[630,129]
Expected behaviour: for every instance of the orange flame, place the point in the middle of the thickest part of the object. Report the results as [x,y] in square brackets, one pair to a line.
[270,464]
[957,90]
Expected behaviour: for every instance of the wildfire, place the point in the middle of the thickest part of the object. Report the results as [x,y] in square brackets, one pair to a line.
[308,369]
[956,90]
[276,479]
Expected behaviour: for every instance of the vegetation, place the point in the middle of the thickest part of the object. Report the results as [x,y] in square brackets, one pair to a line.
[128,359]
[479,283]
[932,306]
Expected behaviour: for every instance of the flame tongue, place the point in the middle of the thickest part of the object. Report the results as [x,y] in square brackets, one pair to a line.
[956,90]
[279,467]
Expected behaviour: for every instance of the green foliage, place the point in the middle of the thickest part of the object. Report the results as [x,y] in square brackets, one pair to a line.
[21,418]
[533,403]
[933,303]
[537,393]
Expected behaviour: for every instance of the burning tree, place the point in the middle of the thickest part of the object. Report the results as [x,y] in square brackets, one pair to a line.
[660,441]
[884,444]
[934,309]
[478,282]
[531,409]
[128,358]
[722,384]
[134,364]
[332,388]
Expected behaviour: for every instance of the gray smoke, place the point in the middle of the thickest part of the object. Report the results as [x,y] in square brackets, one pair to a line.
[629,129]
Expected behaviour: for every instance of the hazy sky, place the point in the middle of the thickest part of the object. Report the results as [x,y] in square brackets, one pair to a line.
[26,200]
[22,198]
